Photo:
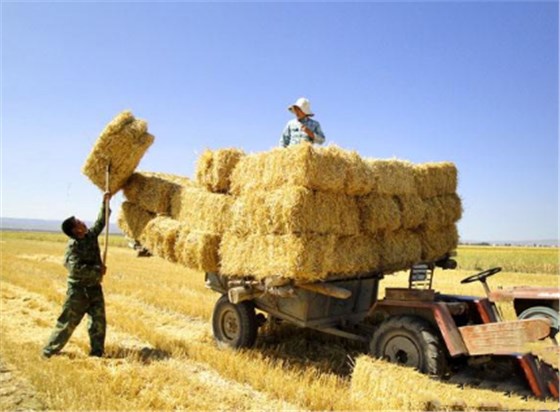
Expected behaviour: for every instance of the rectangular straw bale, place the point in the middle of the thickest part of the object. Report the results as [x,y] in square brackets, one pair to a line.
[122,143]
[160,236]
[437,242]
[153,191]
[379,213]
[214,168]
[202,210]
[413,210]
[133,219]
[355,254]
[360,179]
[198,250]
[295,209]
[305,257]
[399,250]
[393,176]
[442,211]
[319,168]
[435,179]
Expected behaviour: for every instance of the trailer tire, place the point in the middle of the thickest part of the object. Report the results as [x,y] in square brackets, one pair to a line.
[410,341]
[542,312]
[234,325]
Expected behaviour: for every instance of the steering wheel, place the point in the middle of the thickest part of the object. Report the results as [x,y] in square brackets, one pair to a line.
[481,276]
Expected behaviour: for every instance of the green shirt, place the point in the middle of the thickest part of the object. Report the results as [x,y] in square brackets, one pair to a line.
[83,257]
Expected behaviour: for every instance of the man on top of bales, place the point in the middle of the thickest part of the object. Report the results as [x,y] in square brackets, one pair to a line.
[84,295]
[303,128]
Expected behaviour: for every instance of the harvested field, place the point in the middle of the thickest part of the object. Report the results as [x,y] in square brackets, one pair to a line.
[161,355]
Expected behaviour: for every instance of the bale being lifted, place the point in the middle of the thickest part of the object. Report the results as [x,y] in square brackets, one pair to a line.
[121,145]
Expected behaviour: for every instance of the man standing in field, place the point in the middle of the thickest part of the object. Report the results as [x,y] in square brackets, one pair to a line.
[303,128]
[84,295]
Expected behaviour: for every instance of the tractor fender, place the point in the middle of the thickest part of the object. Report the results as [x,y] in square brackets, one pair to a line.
[437,313]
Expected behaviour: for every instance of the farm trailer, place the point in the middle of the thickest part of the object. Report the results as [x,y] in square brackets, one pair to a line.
[414,326]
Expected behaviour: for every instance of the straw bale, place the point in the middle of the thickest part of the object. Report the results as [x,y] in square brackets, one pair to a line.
[360,179]
[379,213]
[393,176]
[214,168]
[295,209]
[122,143]
[442,211]
[399,250]
[304,257]
[355,254]
[435,179]
[319,168]
[133,219]
[153,191]
[413,210]
[198,250]
[160,236]
[438,242]
[202,210]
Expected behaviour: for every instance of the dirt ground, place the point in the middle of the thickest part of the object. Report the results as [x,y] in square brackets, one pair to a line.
[16,394]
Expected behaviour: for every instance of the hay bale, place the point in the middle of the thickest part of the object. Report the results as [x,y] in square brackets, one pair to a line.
[413,210]
[442,211]
[319,168]
[122,143]
[435,179]
[305,257]
[295,209]
[438,242]
[153,191]
[355,254]
[201,210]
[133,219]
[214,168]
[399,250]
[360,179]
[160,235]
[392,176]
[198,250]
[379,213]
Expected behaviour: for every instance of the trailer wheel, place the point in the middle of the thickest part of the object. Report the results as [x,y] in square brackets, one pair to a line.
[409,341]
[234,325]
[542,312]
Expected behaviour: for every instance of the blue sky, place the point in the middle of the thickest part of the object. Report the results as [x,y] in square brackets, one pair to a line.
[475,83]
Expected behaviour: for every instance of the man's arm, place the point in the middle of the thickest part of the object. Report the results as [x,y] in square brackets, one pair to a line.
[319,136]
[100,222]
[285,139]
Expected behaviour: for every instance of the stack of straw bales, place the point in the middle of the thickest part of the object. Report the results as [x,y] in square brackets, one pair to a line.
[307,212]
[178,219]
[301,212]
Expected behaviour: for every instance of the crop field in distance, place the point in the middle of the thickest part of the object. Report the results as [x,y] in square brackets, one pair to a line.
[161,355]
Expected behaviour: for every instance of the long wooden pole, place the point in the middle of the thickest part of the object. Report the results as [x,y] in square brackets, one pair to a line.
[107,174]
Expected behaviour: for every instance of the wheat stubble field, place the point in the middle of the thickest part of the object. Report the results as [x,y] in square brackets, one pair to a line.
[160,353]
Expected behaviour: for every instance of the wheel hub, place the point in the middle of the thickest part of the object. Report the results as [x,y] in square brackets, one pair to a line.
[230,325]
[402,351]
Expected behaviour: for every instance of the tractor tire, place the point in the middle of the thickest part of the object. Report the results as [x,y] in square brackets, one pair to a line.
[542,312]
[409,341]
[234,325]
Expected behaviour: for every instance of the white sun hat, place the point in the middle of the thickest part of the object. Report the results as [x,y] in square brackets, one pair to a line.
[303,104]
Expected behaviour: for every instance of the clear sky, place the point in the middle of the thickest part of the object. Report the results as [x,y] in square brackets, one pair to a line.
[475,83]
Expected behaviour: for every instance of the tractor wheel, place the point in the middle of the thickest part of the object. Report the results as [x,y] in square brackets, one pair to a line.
[234,325]
[409,341]
[542,312]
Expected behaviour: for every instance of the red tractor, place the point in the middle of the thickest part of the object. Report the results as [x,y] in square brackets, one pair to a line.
[415,326]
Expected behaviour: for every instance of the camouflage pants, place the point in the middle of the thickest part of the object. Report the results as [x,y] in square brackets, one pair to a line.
[79,301]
